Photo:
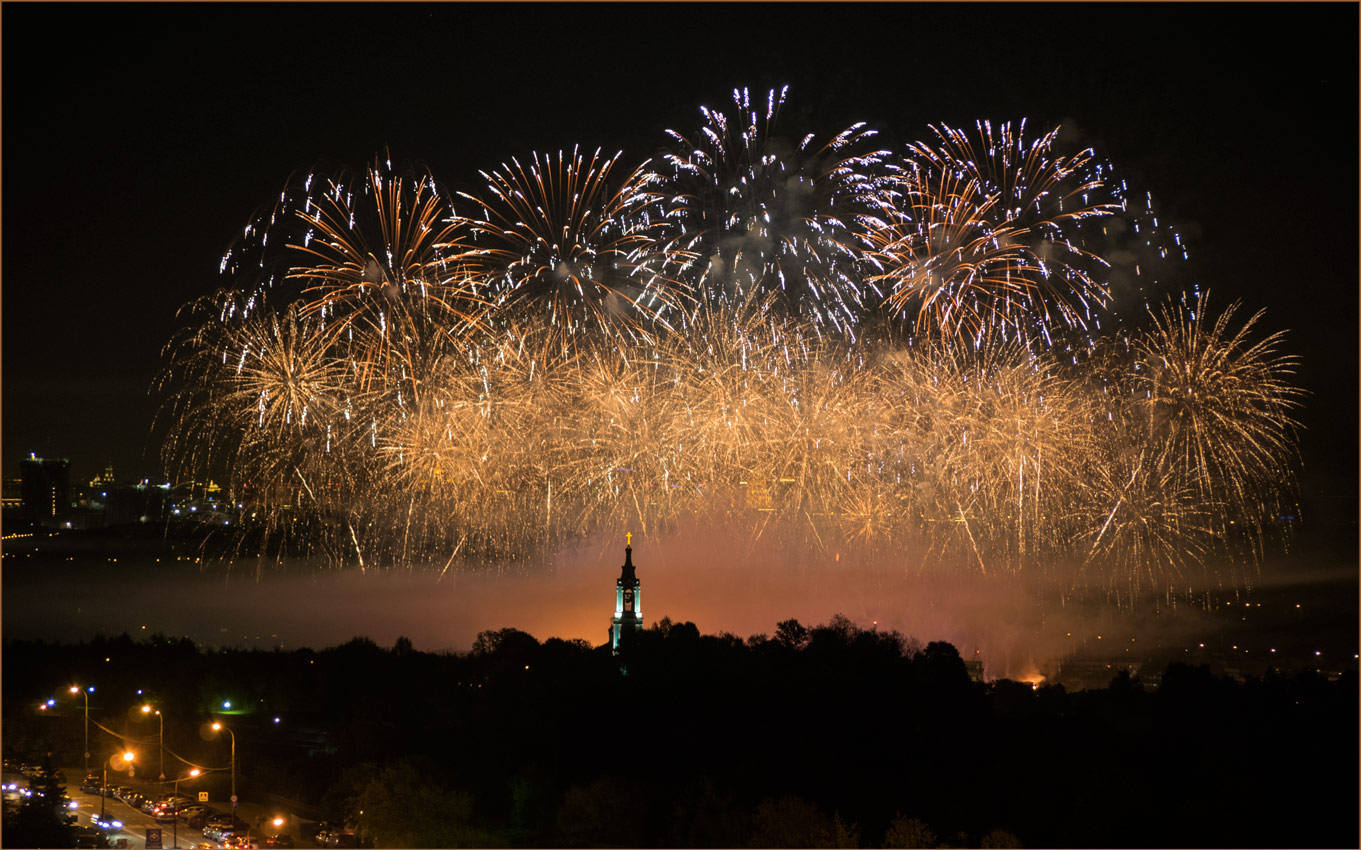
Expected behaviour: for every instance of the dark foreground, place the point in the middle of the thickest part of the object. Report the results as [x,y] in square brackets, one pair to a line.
[823,736]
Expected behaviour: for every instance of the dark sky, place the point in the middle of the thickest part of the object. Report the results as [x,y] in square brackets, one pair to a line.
[138,140]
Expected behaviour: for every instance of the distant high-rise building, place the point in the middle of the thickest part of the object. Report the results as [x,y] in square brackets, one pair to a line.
[628,607]
[46,489]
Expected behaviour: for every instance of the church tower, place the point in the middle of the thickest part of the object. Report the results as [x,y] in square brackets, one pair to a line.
[628,608]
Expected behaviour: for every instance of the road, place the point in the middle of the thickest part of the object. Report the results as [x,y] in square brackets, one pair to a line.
[136,822]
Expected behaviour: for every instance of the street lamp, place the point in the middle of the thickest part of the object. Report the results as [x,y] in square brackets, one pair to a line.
[86,694]
[146,709]
[103,792]
[175,830]
[218,727]
[127,756]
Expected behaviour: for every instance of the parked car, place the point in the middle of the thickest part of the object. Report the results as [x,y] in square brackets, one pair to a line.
[236,834]
[216,828]
[342,839]
[184,813]
[198,820]
[40,774]
[170,807]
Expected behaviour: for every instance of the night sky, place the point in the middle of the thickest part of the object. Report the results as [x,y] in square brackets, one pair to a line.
[139,140]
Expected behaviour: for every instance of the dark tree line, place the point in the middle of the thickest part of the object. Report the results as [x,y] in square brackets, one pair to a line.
[830,735]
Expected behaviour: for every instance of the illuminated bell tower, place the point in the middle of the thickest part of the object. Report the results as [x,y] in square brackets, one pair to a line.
[628,608]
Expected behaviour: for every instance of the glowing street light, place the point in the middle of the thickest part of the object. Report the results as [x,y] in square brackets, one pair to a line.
[76,689]
[146,709]
[127,758]
[175,830]
[218,727]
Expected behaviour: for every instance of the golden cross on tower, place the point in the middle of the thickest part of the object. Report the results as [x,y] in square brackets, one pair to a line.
[628,538]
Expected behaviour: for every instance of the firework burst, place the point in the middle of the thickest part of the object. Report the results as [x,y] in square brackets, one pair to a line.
[381,267]
[763,214]
[987,238]
[555,238]
[1222,403]
[804,345]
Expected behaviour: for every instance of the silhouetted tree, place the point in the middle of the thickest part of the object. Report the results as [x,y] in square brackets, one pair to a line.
[907,832]
[999,838]
[791,634]
[941,667]
[792,821]
[705,815]
[844,834]
[607,811]
[405,806]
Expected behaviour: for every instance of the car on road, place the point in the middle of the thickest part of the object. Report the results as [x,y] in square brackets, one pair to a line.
[277,840]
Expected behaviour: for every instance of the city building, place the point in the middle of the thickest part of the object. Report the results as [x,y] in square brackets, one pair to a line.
[14,494]
[628,606]
[137,503]
[46,489]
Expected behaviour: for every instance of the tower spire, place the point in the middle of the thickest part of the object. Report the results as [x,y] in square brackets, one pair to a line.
[628,609]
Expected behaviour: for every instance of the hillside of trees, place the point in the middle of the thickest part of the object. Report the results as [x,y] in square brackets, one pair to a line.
[819,736]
